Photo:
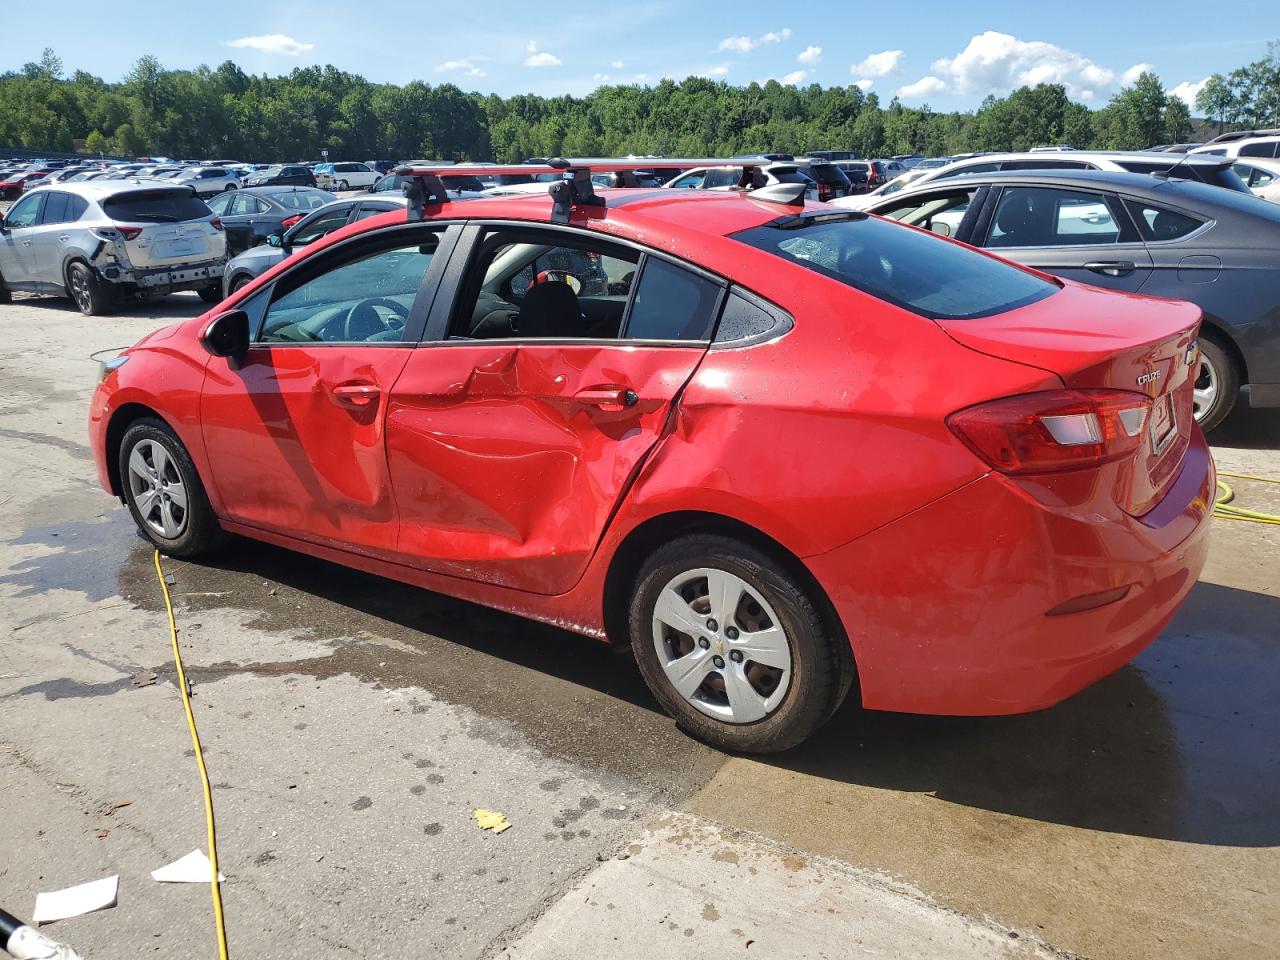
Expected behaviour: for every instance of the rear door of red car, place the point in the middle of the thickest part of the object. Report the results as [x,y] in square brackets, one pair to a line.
[295,431]
[512,434]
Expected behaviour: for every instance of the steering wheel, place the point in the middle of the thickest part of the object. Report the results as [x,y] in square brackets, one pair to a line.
[363,322]
[558,276]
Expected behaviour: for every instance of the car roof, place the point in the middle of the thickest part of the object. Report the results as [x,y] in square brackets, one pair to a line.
[99,189]
[1190,193]
[1115,155]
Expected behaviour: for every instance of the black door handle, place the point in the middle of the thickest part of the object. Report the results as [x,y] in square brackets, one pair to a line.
[1111,268]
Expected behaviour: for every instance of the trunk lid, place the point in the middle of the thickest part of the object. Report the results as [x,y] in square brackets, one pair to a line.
[1090,337]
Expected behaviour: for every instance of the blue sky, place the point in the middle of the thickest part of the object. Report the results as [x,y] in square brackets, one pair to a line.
[949,54]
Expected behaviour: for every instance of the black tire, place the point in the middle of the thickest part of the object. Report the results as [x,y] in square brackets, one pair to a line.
[229,186]
[1219,368]
[199,533]
[211,293]
[343,185]
[87,292]
[6,295]
[239,283]
[821,661]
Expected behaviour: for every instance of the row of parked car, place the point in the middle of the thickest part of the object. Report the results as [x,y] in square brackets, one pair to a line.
[1176,224]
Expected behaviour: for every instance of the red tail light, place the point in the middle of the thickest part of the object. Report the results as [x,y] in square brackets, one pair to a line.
[288,222]
[216,223]
[824,191]
[1054,430]
[130,233]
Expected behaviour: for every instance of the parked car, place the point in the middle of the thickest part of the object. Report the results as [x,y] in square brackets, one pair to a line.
[55,176]
[347,176]
[382,166]
[1170,238]
[1190,166]
[831,180]
[459,187]
[98,242]
[208,181]
[442,401]
[1261,176]
[251,215]
[297,236]
[284,175]
[1243,143]
[860,201]
[730,177]
[11,187]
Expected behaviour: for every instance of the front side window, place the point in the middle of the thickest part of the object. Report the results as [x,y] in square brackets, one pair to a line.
[366,299]
[1157,223]
[690,181]
[26,212]
[320,225]
[721,177]
[942,214]
[1050,217]
[926,275]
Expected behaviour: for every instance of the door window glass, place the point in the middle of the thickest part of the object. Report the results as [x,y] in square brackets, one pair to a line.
[1049,217]
[721,177]
[323,224]
[532,285]
[363,300]
[242,205]
[966,170]
[1157,223]
[672,303]
[1264,149]
[690,181]
[26,212]
[373,209]
[220,203]
[55,208]
[940,214]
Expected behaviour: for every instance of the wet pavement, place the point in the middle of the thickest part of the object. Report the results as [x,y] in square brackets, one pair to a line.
[352,724]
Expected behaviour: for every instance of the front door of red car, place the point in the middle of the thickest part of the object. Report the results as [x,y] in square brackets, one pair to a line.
[511,438]
[295,431]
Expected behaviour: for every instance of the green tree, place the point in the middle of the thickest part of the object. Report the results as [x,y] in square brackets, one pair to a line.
[1216,100]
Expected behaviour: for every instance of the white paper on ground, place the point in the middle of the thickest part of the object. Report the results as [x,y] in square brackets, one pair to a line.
[193,868]
[73,901]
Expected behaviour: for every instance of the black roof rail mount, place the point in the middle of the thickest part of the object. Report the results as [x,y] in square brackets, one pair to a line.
[792,194]
[573,189]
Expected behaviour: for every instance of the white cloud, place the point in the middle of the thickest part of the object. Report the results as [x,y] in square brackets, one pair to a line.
[795,78]
[271,43]
[864,85]
[716,71]
[1131,75]
[600,78]
[617,64]
[1187,91]
[747,44]
[467,65]
[997,62]
[924,87]
[878,64]
[642,77]
[538,58]
[810,55]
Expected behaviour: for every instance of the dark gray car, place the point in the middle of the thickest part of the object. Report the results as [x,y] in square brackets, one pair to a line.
[319,223]
[1219,249]
[251,215]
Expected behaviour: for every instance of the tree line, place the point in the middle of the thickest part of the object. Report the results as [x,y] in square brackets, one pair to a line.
[225,112]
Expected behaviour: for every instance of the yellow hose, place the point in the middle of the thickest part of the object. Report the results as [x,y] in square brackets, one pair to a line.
[204,774]
[1222,503]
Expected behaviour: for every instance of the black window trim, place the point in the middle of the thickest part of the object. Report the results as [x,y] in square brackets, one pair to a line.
[468,247]
[350,248]
[1205,222]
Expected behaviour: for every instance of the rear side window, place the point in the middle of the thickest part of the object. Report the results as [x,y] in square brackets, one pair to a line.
[672,303]
[1157,223]
[156,206]
[298,200]
[1258,149]
[926,275]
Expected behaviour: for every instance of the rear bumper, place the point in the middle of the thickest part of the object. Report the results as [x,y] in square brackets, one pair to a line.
[947,609]
[185,277]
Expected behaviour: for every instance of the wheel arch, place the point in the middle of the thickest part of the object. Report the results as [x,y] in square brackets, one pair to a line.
[122,418]
[1212,329]
[644,538]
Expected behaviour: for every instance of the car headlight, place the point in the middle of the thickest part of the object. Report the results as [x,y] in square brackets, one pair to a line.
[106,367]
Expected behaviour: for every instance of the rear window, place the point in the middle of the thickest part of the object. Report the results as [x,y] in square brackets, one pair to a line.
[926,275]
[828,173]
[301,200]
[156,206]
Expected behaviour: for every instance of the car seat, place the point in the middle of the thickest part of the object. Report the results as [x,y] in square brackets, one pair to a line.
[551,309]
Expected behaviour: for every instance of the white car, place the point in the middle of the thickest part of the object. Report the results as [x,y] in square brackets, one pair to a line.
[1260,175]
[1243,143]
[208,181]
[861,201]
[1211,170]
[729,177]
[347,176]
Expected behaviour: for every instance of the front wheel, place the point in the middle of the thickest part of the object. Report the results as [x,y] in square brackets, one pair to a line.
[228,187]
[164,492]
[342,185]
[1217,385]
[734,645]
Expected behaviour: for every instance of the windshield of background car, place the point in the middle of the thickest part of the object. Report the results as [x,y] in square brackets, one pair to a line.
[156,206]
[926,275]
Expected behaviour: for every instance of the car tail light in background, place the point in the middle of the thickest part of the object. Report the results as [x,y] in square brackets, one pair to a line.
[824,191]
[288,222]
[1054,430]
[216,223]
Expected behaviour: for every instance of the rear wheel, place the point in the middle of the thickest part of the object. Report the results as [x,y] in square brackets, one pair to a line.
[90,294]
[342,185]
[5,294]
[211,293]
[164,492]
[734,647]
[229,186]
[1217,384]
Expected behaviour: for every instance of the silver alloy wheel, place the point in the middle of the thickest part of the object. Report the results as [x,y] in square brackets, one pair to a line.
[156,488]
[721,645]
[1205,392]
[80,288]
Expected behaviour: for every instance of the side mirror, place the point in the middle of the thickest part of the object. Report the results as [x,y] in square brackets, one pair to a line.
[940,228]
[227,335]
[275,240]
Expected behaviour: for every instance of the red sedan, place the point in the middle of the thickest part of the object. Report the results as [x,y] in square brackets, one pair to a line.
[769,444]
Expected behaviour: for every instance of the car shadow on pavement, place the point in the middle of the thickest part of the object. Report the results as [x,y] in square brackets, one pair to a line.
[1249,428]
[176,306]
[1179,745]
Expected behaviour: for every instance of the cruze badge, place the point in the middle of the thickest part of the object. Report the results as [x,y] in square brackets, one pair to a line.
[1149,377]
[1192,351]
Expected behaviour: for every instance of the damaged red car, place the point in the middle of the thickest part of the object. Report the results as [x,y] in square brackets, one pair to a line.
[770,445]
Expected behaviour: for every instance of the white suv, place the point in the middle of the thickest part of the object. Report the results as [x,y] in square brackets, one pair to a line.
[208,181]
[347,176]
[1211,170]
[98,241]
[1243,143]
